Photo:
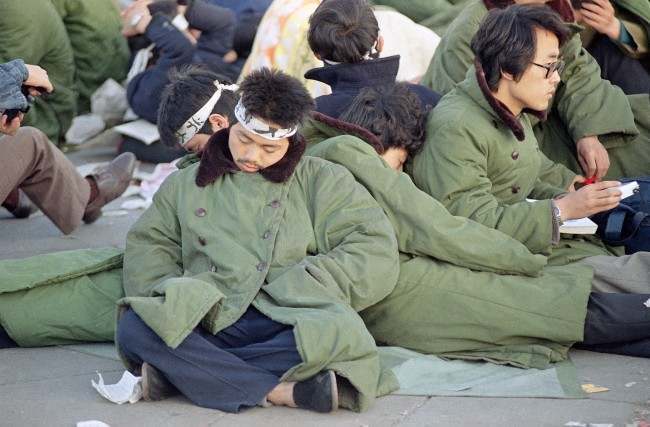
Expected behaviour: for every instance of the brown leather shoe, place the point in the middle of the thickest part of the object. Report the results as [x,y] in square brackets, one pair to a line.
[24,208]
[111,182]
[154,384]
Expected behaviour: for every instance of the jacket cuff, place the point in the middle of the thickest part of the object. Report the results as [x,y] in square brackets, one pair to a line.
[205,16]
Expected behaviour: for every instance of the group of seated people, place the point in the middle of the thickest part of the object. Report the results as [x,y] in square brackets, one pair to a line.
[298,235]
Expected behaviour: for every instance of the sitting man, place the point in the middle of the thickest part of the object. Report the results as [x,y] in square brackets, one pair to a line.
[617,37]
[32,164]
[244,278]
[591,126]
[344,34]
[482,160]
[466,290]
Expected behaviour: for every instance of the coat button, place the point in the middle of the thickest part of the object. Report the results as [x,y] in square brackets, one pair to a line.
[515,155]
[261,266]
[202,241]
[275,204]
[200,212]
[515,189]
[213,268]
[267,235]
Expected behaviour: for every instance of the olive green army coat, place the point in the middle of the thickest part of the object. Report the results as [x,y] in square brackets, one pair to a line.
[448,300]
[433,14]
[483,163]
[100,50]
[584,104]
[61,298]
[32,30]
[309,251]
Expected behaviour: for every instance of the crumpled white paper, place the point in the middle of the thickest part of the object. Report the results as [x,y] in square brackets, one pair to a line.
[92,423]
[128,389]
[647,303]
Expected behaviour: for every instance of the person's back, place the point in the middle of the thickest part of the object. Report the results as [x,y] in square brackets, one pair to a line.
[345,36]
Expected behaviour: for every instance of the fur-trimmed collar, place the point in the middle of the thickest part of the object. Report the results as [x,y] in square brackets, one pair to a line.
[562,7]
[217,160]
[500,108]
[350,129]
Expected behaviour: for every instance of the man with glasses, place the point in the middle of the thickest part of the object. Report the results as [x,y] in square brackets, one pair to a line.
[483,162]
[591,127]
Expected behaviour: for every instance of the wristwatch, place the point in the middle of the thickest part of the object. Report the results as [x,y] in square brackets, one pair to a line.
[557,213]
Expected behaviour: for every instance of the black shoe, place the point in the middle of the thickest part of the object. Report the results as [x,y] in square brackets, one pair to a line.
[318,393]
[24,208]
[154,384]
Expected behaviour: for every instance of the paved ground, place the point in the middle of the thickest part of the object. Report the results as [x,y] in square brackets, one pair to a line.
[51,386]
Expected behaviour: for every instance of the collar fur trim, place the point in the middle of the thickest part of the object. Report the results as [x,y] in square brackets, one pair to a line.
[501,109]
[216,160]
[560,6]
[350,129]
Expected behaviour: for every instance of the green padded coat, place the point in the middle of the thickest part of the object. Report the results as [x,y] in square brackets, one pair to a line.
[100,50]
[584,104]
[33,31]
[476,165]
[449,300]
[310,252]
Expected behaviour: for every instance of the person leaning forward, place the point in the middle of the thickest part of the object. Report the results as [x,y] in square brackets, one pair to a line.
[244,278]
[591,127]
[485,168]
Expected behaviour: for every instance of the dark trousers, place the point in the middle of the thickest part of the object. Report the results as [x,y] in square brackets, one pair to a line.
[617,323]
[5,339]
[235,368]
[623,71]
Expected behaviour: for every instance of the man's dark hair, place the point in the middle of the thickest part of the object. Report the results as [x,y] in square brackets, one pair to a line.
[190,87]
[506,40]
[343,30]
[274,96]
[393,113]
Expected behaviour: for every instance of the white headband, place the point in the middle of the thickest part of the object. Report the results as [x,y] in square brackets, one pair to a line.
[259,127]
[198,119]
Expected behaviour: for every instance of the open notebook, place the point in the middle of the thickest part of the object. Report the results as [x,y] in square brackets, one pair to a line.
[579,226]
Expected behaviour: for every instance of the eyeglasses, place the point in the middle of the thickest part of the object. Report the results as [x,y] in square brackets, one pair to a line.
[551,68]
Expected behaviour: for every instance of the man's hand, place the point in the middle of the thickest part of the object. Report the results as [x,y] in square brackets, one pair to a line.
[37,78]
[136,18]
[589,200]
[593,157]
[12,127]
[599,14]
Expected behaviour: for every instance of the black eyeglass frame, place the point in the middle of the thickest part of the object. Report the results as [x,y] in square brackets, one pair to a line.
[553,67]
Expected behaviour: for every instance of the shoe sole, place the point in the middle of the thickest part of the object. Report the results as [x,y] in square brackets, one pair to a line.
[334,389]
